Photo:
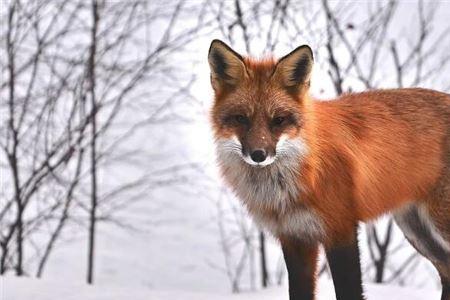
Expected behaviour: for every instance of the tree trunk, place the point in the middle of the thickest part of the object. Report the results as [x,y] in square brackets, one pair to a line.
[12,155]
[262,250]
[93,144]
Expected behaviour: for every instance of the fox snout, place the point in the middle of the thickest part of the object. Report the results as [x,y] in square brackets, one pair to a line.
[258,155]
[258,145]
[285,149]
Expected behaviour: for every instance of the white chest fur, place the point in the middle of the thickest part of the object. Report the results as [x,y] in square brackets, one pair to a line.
[271,193]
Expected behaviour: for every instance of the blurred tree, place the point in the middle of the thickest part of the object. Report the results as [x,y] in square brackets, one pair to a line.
[71,74]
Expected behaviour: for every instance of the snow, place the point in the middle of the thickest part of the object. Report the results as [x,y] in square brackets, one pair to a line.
[15,288]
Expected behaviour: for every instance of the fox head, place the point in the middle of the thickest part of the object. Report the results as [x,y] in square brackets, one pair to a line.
[257,112]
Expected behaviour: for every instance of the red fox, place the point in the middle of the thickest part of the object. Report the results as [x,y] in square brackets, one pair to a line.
[309,171]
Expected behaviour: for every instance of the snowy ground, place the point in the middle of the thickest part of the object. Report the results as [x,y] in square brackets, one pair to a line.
[13,288]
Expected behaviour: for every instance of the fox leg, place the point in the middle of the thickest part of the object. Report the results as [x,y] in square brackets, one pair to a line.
[439,211]
[301,263]
[445,289]
[421,231]
[343,259]
[442,221]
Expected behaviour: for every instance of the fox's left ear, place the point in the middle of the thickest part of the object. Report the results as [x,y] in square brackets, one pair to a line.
[227,66]
[294,69]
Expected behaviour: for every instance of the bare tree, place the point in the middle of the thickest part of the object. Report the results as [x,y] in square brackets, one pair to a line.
[93,143]
[74,70]
[28,124]
[237,241]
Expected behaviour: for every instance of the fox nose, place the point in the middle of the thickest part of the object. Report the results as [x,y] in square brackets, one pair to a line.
[258,155]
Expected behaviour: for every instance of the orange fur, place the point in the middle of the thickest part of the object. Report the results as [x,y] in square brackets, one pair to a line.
[369,153]
[310,170]
[390,149]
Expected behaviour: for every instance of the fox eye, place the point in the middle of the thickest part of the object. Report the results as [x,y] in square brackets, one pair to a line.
[241,119]
[277,121]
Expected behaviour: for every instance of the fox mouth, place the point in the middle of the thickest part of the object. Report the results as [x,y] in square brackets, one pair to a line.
[287,151]
[267,162]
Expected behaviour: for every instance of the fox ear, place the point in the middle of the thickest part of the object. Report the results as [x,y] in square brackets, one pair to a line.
[294,69]
[227,66]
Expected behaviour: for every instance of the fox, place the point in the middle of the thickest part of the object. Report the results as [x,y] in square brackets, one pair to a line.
[309,171]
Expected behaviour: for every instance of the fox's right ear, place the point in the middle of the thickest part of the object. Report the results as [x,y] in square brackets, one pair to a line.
[227,66]
[294,69]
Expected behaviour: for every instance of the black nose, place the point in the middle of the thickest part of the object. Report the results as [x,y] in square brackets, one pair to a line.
[258,155]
